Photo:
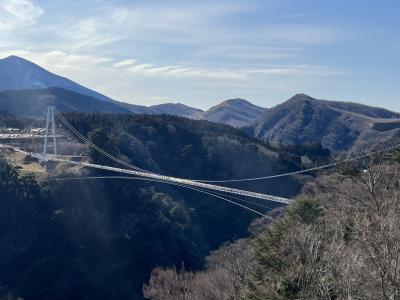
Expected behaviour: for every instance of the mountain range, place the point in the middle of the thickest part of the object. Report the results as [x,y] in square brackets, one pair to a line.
[18,74]
[26,89]
[336,125]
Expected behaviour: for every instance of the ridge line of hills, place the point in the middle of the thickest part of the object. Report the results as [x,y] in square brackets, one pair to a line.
[26,89]
[18,74]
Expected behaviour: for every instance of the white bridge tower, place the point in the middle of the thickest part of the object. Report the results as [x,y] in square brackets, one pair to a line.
[52,132]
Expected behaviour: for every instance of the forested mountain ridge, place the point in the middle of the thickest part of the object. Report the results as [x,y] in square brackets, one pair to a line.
[339,126]
[33,103]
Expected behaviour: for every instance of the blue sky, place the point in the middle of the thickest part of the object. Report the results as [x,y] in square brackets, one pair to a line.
[201,52]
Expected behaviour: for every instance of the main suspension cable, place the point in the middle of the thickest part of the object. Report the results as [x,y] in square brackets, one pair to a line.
[334,164]
[91,144]
[160,181]
[358,157]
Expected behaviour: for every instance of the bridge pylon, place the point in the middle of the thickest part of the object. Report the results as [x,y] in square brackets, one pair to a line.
[50,130]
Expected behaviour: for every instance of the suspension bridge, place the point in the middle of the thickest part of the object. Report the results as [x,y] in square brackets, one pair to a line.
[135,171]
[209,187]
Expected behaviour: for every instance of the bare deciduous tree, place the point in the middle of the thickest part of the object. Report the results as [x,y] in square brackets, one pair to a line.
[225,277]
[342,241]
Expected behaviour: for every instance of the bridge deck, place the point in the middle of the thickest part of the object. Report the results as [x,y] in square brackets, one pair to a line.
[173,179]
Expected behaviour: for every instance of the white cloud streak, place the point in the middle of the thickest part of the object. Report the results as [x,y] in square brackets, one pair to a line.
[124,63]
[60,61]
[190,24]
[141,50]
[132,66]
[18,13]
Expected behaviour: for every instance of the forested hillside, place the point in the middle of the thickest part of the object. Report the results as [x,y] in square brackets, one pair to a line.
[191,149]
[100,239]
[34,103]
[340,240]
[338,126]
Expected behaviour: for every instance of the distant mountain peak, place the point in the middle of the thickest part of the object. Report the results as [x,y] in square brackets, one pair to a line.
[236,112]
[13,57]
[236,101]
[177,109]
[13,61]
[17,73]
[301,97]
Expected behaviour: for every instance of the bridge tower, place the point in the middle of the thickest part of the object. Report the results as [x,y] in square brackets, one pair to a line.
[49,132]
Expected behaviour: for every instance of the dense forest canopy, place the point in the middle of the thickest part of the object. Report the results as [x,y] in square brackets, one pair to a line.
[8,120]
[100,239]
[103,239]
[191,149]
[85,240]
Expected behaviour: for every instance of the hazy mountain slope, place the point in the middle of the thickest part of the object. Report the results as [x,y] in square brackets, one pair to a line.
[173,109]
[33,103]
[176,109]
[234,112]
[133,108]
[17,73]
[369,111]
[337,125]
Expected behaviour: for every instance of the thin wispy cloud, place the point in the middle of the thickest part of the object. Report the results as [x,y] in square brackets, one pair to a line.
[60,61]
[125,63]
[204,51]
[18,13]
[132,66]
